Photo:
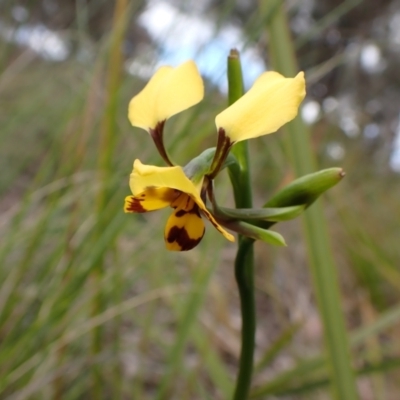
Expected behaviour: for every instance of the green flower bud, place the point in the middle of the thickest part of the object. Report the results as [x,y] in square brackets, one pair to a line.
[305,190]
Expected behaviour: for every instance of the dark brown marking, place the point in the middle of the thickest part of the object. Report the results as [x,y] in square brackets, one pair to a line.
[134,205]
[157,135]
[180,236]
[180,213]
[195,210]
[214,223]
[224,144]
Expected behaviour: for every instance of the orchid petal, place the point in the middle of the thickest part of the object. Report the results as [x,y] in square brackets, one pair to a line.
[150,176]
[150,199]
[185,227]
[271,102]
[169,91]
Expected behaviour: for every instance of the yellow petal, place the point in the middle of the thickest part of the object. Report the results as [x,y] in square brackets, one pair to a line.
[149,176]
[272,101]
[183,89]
[169,91]
[185,228]
[142,107]
[150,199]
[216,225]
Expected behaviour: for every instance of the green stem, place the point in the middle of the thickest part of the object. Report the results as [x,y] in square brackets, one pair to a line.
[244,274]
[242,186]
[244,263]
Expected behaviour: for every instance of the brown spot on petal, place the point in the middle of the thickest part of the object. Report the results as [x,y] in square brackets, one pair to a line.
[133,204]
[194,210]
[181,237]
[180,213]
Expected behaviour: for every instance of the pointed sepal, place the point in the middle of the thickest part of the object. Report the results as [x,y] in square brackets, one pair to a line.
[256,233]
[264,214]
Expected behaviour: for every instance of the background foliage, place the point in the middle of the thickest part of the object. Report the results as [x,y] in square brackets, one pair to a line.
[91,304]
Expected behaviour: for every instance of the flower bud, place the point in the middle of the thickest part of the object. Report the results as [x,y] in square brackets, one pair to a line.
[305,190]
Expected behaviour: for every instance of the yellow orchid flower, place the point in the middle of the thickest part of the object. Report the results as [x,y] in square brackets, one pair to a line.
[272,101]
[154,188]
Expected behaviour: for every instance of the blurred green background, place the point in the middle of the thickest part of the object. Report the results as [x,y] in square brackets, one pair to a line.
[92,306]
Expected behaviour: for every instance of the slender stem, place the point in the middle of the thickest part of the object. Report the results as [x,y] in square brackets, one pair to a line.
[242,188]
[244,263]
[244,274]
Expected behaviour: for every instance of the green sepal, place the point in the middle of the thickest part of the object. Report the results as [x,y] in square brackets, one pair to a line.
[264,214]
[305,190]
[201,165]
[255,232]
